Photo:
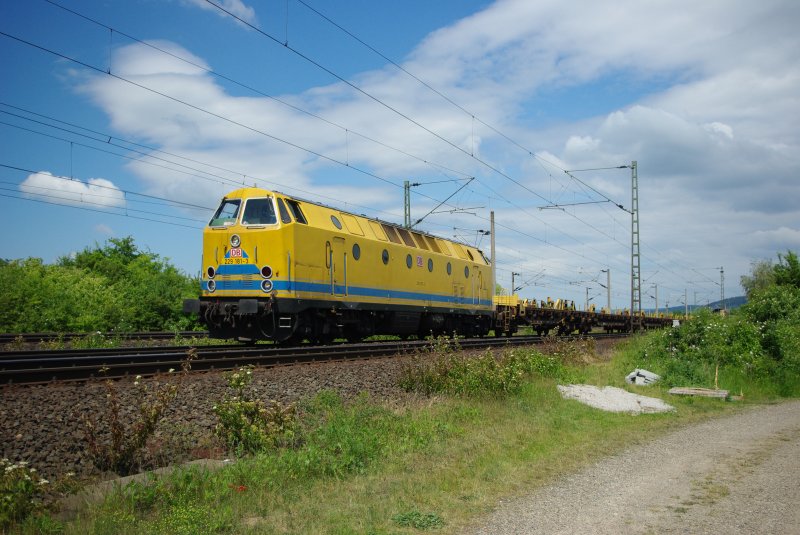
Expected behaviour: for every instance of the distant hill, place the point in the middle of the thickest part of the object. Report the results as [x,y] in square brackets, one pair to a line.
[730,303]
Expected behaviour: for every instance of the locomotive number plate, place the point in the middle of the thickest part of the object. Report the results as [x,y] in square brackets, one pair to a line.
[236,256]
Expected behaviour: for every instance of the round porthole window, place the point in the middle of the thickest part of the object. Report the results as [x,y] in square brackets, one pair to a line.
[466,272]
[449,268]
[409,261]
[356,251]
[385,256]
[336,222]
[430,264]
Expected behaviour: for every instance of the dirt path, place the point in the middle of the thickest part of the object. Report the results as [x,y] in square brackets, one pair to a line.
[739,474]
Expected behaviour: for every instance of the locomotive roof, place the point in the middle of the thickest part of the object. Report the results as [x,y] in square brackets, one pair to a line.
[249,191]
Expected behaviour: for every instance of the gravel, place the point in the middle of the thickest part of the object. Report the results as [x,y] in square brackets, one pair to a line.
[613,399]
[43,424]
[737,474]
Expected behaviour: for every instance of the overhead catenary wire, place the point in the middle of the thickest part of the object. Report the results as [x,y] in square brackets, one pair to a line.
[108,139]
[206,111]
[615,240]
[307,58]
[320,66]
[257,91]
[108,212]
[195,107]
[110,188]
[469,113]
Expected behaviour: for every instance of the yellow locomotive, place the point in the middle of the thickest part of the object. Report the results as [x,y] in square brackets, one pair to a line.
[285,269]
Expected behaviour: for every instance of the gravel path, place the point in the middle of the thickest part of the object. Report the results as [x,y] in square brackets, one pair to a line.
[739,474]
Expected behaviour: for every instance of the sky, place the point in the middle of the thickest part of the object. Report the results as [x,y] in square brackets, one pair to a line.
[133,118]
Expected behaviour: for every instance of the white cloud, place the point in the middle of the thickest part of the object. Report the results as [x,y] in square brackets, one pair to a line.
[96,192]
[237,7]
[104,229]
[720,128]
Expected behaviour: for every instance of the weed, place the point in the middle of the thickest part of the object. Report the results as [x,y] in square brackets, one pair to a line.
[122,452]
[53,344]
[417,520]
[190,519]
[17,344]
[22,491]
[96,340]
[485,374]
[579,351]
[250,425]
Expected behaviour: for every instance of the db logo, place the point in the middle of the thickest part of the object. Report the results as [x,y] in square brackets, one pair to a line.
[419,261]
[236,253]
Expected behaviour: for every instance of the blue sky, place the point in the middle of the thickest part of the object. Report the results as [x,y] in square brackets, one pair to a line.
[115,121]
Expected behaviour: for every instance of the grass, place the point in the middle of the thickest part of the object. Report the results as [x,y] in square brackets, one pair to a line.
[436,464]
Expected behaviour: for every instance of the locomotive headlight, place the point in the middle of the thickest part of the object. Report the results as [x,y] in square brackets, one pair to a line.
[235,241]
[266,285]
[211,272]
[212,286]
[266,272]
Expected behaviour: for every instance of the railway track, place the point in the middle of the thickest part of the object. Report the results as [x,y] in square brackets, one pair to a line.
[36,338]
[39,367]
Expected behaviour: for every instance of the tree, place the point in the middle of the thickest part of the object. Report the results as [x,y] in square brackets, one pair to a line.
[787,270]
[761,277]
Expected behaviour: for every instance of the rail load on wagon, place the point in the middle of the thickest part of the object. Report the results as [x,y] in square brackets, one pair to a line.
[561,317]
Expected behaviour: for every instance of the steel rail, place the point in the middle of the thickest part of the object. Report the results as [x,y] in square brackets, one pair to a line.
[35,338]
[39,367]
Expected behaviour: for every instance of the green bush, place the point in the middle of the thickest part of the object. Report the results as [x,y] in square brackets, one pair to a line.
[111,288]
[687,354]
[760,341]
[776,312]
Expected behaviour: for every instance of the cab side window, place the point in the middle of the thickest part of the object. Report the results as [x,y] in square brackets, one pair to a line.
[294,207]
[284,214]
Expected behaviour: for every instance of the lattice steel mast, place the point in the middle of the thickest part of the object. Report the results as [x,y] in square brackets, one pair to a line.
[636,266]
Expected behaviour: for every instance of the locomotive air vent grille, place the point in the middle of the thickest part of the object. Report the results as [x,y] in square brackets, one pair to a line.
[237,285]
[237,277]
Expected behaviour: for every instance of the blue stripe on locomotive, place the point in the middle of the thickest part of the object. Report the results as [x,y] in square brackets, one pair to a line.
[325,289]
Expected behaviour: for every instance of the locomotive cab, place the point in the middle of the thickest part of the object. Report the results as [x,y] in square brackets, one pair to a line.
[242,262]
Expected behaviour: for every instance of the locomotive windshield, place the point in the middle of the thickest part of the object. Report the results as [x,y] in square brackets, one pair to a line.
[226,214]
[259,212]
